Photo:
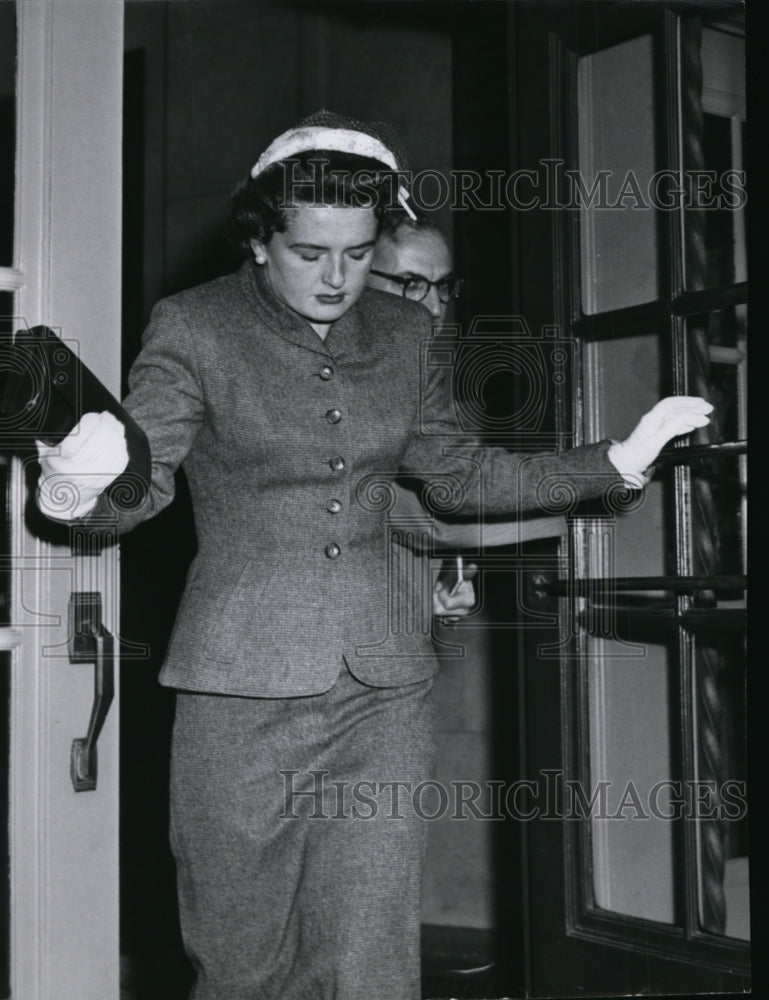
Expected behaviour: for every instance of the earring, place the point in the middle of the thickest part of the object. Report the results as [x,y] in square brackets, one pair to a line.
[259,257]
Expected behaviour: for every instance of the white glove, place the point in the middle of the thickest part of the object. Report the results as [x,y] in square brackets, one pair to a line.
[672,416]
[74,472]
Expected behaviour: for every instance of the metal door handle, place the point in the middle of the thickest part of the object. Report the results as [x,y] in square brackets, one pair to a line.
[683,456]
[90,642]
[601,585]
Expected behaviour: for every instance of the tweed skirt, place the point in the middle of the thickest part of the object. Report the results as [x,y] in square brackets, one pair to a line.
[299,850]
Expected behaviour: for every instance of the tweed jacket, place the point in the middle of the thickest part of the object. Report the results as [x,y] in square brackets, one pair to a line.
[289,443]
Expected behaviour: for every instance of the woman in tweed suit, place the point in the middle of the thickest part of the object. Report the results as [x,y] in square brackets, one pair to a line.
[292,395]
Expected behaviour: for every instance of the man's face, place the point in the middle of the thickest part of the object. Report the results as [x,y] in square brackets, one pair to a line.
[413,253]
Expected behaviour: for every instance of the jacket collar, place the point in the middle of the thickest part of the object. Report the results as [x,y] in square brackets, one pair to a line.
[343,337]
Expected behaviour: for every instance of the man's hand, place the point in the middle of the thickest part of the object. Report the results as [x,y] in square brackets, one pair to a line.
[75,472]
[453,596]
[672,416]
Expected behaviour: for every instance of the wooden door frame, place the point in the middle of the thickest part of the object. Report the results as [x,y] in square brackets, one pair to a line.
[63,844]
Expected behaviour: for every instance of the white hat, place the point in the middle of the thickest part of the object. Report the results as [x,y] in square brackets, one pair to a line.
[326,130]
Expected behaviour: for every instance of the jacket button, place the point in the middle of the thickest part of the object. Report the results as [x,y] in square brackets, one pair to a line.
[333,506]
[333,551]
[337,463]
[326,372]
[334,416]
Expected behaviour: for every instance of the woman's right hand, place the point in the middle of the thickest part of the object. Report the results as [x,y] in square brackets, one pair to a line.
[75,472]
[671,417]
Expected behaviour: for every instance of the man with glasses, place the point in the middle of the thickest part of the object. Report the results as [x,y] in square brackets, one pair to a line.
[412,259]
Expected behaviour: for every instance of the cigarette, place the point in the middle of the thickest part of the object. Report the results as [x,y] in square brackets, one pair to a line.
[460,577]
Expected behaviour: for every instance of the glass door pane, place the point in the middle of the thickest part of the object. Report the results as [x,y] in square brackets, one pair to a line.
[716,161]
[631,679]
[614,185]
[722,838]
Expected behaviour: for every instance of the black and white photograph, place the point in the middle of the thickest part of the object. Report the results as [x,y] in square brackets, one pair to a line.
[374,499]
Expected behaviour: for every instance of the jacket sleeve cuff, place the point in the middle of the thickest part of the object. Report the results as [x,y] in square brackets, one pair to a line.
[634,479]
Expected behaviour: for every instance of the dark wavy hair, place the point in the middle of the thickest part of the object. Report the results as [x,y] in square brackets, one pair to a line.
[258,205]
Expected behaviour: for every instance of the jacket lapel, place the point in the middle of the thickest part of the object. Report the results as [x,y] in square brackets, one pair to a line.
[346,335]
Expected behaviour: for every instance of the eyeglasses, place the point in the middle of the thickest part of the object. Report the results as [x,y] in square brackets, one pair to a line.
[416,287]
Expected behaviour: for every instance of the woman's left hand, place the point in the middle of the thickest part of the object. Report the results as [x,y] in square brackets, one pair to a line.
[671,417]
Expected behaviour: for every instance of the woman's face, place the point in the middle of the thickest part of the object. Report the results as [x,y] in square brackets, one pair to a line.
[318,266]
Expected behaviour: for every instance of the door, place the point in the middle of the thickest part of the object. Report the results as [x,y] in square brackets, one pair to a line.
[60,267]
[636,703]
